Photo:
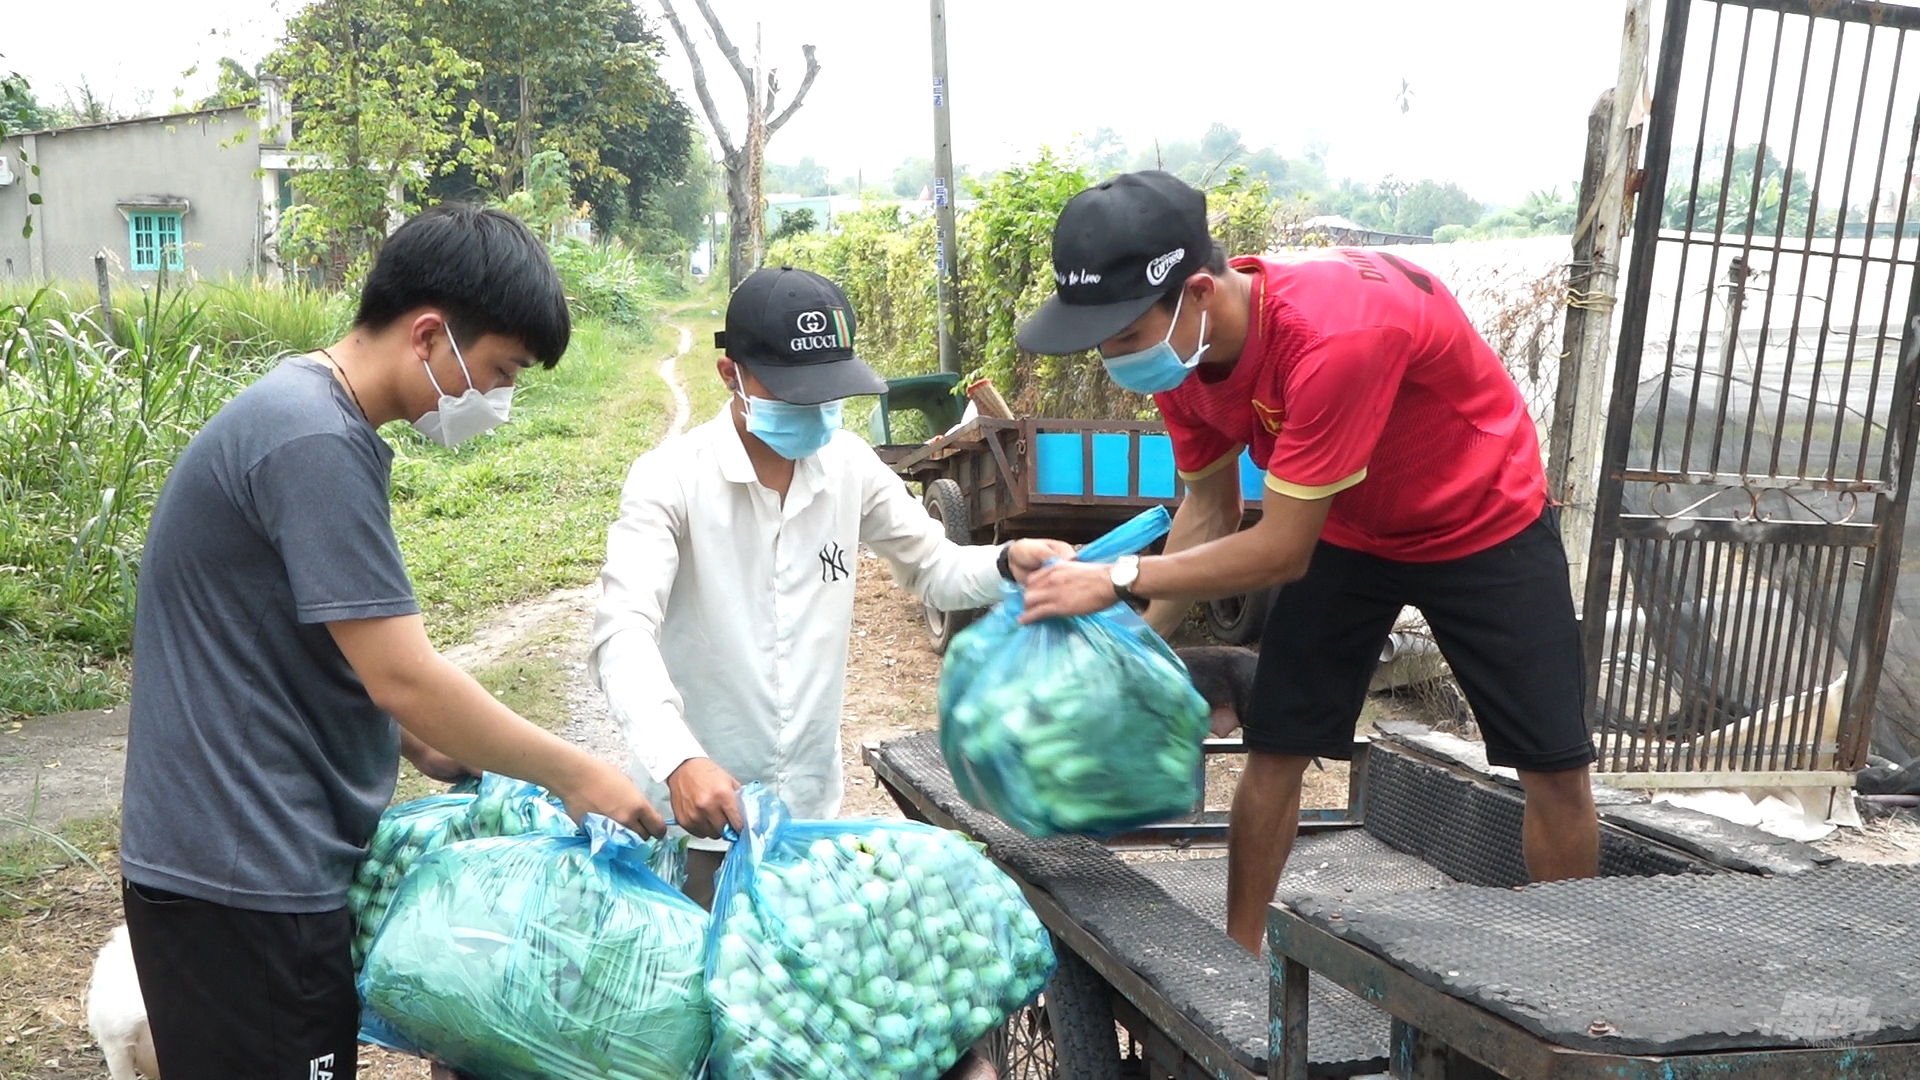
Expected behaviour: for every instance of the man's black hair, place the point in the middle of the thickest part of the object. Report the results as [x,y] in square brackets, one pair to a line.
[481,268]
[1216,265]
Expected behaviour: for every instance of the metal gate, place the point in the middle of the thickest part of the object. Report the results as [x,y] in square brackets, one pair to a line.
[1759,445]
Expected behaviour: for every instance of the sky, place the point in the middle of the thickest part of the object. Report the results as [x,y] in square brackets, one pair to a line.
[1500,88]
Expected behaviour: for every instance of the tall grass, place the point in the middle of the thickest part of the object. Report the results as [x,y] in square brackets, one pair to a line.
[611,282]
[89,427]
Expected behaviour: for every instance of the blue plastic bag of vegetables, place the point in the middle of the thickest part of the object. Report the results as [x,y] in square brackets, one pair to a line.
[861,949]
[543,958]
[406,834]
[1087,724]
[499,806]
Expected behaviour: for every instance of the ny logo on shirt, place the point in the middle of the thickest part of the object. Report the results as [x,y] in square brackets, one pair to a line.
[833,563]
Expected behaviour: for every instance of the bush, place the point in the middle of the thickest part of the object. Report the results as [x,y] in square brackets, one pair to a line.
[609,281]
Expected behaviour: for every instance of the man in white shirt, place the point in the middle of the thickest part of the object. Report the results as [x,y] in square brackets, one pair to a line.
[721,636]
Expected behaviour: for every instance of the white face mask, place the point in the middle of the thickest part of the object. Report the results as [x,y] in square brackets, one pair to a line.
[458,419]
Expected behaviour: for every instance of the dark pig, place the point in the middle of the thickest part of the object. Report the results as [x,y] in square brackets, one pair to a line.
[1224,676]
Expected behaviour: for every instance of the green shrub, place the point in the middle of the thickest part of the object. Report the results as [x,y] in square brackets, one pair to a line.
[609,281]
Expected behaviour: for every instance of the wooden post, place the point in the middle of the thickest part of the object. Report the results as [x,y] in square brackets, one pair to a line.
[1607,230]
[1579,286]
[105,284]
[947,254]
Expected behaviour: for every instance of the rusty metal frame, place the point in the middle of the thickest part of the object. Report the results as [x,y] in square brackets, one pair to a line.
[1768,580]
[1446,1022]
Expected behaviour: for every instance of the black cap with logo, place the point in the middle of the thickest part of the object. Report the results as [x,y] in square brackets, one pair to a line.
[1118,247]
[793,329]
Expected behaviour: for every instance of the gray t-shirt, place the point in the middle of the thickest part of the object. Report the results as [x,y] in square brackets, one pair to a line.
[257,766]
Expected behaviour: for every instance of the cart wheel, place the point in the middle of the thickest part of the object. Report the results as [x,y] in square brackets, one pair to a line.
[1021,1048]
[1079,1017]
[1238,620]
[947,504]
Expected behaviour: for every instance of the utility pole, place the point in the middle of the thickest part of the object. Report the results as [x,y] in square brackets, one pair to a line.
[1606,221]
[946,252]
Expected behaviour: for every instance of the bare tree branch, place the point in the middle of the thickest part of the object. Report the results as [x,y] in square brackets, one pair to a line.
[727,49]
[813,71]
[700,78]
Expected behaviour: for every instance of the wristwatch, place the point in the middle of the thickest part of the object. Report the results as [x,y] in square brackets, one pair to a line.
[1005,562]
[1126,571]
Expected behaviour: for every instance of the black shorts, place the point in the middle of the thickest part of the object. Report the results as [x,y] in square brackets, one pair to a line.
[1503,618]
[244,995]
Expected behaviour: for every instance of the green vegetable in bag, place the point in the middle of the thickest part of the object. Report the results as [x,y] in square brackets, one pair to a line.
[543,958]
[862,950]
[1088,724]
[501,806]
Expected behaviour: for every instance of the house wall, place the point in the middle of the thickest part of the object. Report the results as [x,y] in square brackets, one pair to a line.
[87,174]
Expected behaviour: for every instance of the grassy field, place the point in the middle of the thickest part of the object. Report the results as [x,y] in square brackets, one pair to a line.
[525,510]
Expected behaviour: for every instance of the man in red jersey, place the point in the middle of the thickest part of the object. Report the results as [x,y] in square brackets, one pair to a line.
[1402,469]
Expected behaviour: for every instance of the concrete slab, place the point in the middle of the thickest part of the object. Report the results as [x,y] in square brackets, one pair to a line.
[58,768]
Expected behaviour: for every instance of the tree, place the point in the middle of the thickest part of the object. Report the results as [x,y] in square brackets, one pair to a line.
[21,111]
[807,177]
[375,108]
[674,218]
[1429,204]
[236,86]
[1105,152]
[745,161]
[793,223]
[84,105]
[914,176]
[1754,195]
[578,76]
[1549,213]
[1220,149]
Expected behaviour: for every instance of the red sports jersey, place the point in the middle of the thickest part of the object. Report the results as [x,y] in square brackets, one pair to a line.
[1362,379]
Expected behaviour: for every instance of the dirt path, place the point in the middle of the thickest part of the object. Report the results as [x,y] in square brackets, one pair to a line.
[670,374]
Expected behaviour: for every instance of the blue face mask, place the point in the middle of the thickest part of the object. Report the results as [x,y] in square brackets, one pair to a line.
[792,431]
[1157,368]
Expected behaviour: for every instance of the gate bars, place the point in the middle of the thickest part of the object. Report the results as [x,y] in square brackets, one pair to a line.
[1760,440]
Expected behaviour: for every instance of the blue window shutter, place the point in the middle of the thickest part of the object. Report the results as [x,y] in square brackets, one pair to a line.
[172,240]
[140,242]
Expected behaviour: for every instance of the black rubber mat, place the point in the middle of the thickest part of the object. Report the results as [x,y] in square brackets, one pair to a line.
[1664,965]
[1184,956]
[1344,862]
[1713,840]
[1471,830]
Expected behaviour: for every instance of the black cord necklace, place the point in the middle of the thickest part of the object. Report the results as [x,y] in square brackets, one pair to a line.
[344,377]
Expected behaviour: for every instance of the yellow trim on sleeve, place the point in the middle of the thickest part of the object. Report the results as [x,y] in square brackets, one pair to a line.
[1300,491]
[1225,460]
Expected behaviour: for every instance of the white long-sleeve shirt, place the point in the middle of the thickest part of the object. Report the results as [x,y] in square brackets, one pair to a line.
[724,618]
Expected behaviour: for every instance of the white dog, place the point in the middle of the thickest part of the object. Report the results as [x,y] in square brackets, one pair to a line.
[117,1015]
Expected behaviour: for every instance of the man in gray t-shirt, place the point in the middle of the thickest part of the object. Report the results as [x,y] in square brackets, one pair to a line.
[277,642]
